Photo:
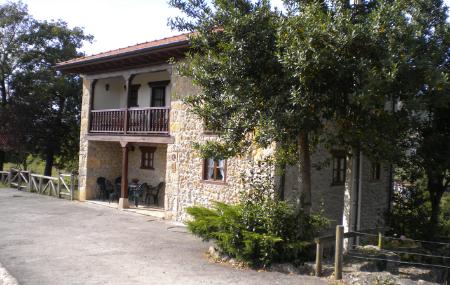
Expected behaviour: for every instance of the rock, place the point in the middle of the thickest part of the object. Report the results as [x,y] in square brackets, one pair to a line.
[287,268]
[213,252]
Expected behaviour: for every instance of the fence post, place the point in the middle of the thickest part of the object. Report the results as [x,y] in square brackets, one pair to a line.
[58,188]
[380,240]
[30,185]
[40,185]
[19,178]
[319,254]
[10,178]
[72,185]
[338,258]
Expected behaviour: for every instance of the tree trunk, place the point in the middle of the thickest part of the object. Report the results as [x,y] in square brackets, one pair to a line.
[3,91]
[49,162]
[436,190]
[305,172]
[2,159]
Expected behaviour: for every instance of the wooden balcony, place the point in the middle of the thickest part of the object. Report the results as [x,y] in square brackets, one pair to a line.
[134,121]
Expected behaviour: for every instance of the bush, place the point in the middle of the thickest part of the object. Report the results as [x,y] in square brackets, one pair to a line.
[259,229]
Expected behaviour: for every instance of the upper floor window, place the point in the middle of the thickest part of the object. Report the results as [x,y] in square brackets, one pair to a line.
[375,171]
[158,96]
[214,169]
[339,168]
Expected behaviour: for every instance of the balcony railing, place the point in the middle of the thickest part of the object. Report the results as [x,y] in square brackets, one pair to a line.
[150,120]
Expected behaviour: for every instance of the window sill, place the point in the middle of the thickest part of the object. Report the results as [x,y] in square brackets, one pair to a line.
[214,182]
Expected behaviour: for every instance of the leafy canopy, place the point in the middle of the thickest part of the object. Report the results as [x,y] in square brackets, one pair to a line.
[322,70]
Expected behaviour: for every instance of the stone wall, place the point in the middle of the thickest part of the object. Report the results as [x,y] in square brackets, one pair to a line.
[104,160]
[374,197]
[150,176]
[339,202]
[185,186]
[324,196]
[84,144]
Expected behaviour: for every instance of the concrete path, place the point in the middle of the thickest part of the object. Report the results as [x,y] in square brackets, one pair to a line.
[44,240]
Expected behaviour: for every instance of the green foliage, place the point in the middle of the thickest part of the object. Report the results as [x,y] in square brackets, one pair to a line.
[411,213]
[260,229]
[410,208]
[445,215]
[43,102]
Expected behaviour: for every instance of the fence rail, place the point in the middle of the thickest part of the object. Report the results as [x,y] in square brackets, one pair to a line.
[61,186]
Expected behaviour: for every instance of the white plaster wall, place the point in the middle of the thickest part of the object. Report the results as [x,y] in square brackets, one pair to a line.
[114,98]
[144,94]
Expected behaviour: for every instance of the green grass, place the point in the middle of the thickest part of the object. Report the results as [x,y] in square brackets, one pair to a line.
[36,165]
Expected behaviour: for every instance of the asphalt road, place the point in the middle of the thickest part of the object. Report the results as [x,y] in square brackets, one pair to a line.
[44,240]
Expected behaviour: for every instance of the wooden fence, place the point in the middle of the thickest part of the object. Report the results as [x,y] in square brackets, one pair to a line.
[338,241]
[61,186]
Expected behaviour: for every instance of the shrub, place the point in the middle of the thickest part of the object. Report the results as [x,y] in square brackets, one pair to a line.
[258,230]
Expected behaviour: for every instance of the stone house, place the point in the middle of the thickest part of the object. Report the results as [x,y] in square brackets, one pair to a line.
[135,125]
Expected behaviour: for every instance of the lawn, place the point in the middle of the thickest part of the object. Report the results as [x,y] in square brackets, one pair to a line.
[36,165]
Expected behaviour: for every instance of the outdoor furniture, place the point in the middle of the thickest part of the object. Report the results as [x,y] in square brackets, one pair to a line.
[136,192]
[154,192]
[102,188]
[115,194]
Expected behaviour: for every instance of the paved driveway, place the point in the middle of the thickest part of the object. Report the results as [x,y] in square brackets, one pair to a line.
[44,240]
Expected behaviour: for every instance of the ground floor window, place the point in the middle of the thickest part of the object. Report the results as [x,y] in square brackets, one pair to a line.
[214,169]
[147,157]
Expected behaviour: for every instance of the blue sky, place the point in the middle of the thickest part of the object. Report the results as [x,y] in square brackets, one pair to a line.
[113,23]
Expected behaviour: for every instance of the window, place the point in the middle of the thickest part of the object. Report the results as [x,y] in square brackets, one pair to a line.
[133,97]
[214,170]
[147,157]
[158,98]
[375,171]
[339,168]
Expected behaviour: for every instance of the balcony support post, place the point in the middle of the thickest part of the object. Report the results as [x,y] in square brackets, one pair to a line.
[91,103]
[123,200]
[128,78]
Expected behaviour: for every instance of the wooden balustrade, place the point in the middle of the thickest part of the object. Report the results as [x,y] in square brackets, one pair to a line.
[150,120]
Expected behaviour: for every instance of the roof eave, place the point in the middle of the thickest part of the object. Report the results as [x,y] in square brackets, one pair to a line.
[67,66]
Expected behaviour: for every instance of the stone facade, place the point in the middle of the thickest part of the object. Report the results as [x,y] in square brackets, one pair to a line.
[181,168]
[184,184]
[338,202]
[324,196]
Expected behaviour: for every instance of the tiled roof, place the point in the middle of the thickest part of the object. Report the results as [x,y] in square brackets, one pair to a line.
[130,49]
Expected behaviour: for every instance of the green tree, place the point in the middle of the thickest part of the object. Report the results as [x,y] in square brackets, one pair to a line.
[428,158]
[320,74]
[50,100]
[15,27]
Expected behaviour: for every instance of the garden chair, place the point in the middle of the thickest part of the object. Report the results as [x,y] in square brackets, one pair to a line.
[115,194]
[101,188]
[137,193]
[154,192]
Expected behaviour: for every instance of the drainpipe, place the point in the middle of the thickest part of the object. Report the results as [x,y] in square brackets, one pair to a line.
[358,184]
